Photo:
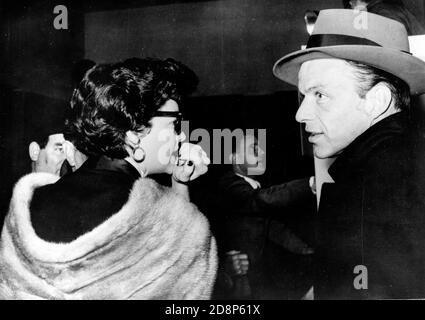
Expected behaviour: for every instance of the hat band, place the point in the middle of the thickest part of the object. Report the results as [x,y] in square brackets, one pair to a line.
[325,40]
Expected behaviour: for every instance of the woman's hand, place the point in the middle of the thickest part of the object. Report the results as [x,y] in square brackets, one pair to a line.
[191,163]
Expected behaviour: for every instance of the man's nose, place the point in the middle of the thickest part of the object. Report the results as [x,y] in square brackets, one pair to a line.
[260,152]
[305,111]
[181,137]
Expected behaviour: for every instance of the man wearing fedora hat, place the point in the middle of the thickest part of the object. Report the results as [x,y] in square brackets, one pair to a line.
[355,80]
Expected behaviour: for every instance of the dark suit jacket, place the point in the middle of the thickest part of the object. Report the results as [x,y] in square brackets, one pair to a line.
[374,215]
[82,200]
[242,199]
[247,210]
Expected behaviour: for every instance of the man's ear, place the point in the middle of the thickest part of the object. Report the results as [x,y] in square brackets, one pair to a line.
[378,100]
[238,158]
[69,151]
[232,158]
[34,151]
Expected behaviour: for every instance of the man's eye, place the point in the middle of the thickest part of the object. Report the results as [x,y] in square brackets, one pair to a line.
[319,95]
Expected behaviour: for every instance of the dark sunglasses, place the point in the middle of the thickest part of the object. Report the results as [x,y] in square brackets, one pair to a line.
[177,124]
[175,114]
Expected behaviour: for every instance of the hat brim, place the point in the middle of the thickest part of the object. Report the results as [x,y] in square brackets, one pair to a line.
[403,65]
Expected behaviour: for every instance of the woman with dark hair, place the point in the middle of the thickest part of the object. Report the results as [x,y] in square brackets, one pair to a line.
[107,231]
[393,9]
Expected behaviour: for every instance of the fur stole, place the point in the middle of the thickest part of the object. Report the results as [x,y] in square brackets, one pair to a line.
[158,246]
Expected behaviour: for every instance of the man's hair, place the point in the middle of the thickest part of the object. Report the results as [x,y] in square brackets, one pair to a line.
[42,141]
[44,117]
[114,98]
[346,3]
[368,77]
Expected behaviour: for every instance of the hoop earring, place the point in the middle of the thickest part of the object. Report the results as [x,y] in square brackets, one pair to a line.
[139,154]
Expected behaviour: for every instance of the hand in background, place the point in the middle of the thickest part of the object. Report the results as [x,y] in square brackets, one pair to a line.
[236,263]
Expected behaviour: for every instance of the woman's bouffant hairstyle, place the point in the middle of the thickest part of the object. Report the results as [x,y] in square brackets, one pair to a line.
[114,98]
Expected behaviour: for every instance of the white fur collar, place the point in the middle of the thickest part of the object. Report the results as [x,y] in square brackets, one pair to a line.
[144,194]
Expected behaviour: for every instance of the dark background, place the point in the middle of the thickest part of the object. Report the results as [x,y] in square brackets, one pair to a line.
[231,45]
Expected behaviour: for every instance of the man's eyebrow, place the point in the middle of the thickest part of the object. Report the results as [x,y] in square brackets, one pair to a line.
[312,88]
[58,144]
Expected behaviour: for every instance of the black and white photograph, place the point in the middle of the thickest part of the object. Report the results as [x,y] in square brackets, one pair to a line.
[234,152]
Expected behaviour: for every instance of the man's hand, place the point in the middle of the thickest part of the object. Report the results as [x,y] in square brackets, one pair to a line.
[237,263]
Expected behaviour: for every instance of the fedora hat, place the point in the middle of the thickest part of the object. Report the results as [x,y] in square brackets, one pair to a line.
[358,36]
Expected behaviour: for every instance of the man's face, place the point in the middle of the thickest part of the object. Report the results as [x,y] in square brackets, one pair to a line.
[50,158]
[332,109]
[251,156]
[358,5]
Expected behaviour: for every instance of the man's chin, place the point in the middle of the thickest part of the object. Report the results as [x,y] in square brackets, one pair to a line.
[323,154]
[256,171]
